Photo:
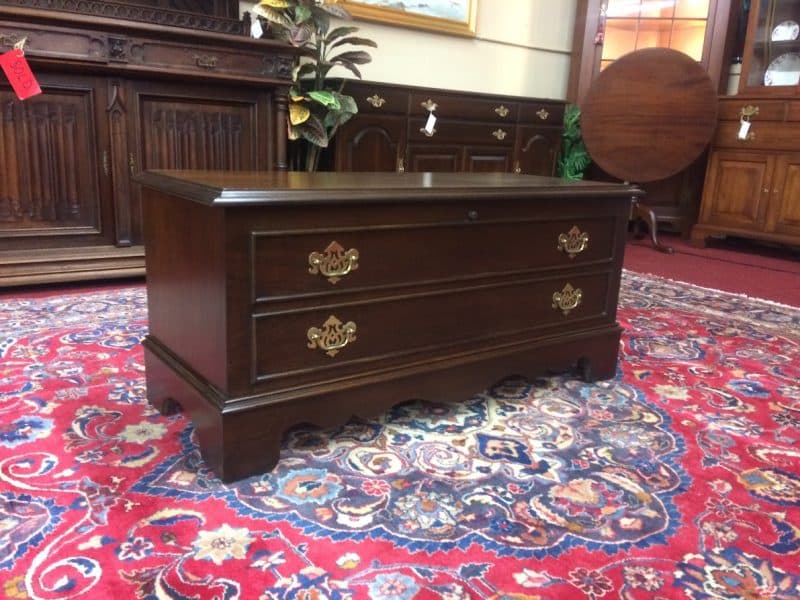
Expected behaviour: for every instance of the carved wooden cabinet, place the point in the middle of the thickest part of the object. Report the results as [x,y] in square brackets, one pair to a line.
[473,132]
[121,95]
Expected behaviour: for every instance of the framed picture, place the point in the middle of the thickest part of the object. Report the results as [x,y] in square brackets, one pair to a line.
[455,17]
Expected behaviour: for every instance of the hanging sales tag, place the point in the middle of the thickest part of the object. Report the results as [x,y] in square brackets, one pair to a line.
[744,128]
[19,73]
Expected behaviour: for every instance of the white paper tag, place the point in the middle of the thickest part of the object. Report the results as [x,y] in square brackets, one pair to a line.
[430,123]
[256,30]
[744,127]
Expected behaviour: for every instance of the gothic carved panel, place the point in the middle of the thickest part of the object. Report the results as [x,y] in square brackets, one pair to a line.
[194,135]
[48,184]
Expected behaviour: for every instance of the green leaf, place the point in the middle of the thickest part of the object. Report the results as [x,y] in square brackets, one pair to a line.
[340,32]
[357,41]
[354,57]
[276,3]
[313,131]
[298,113]
[272,15]
[326,98]
[336,10]
[302,14]
[304,69]
[350,67]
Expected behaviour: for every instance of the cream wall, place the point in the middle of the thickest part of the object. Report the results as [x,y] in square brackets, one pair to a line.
[522,47]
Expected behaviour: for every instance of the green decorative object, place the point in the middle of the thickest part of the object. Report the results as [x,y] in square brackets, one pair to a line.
[317,107]
[574,158]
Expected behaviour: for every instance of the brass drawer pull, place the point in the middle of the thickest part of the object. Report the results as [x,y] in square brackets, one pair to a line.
[500,134]
[333,336]
[748,111]
[205,61]
[376,101]
[501,111]
[573,242]
[542,114]
[334,263]
[429,105]
[567,299]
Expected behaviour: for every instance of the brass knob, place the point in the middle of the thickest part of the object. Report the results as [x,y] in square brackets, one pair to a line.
[376,101]
[542,114]
[501,111]
[500,134]
[332,336]
[334,263]
[429,105]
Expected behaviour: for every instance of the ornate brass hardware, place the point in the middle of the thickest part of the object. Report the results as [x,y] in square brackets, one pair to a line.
[334,263]
[429,105]
[132,163]
[765,190]
[501,111]
[573,242]
[499,134]
[542,114]
[748,111]
[332,337]
[567,299]
[427,133]
[376,101]
[401,165]
[517,168]
[205,61]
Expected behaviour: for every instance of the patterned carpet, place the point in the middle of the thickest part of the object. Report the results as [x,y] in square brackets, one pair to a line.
[680,478]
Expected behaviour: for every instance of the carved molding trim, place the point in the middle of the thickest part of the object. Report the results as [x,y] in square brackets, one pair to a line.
[125,11]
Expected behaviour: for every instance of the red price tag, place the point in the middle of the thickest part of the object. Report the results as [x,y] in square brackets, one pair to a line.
[19,74]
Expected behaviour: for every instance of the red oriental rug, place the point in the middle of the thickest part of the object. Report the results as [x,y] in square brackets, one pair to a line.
[680,478]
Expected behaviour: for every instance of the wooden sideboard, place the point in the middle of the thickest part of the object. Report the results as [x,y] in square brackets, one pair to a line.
[473,132]
[291,297]
[125,88]
[752,185]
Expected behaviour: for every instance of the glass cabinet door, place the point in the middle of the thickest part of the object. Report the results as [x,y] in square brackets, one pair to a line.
[771,62]
[634,24]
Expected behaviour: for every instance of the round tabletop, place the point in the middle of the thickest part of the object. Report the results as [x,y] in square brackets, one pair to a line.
[649,115]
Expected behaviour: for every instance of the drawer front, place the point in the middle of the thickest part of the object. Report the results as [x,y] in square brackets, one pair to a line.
[761,136]
[64,44]
[286,264]
[452,131]
[374,100]
[495,110]
[794,111]
[456,319]
[542,113]
[202,59]
[768,110]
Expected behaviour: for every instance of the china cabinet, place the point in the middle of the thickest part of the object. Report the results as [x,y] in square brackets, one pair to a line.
[752,184]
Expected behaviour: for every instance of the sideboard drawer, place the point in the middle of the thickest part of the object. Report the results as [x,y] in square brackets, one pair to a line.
[761,136]
[359,258]
[217,60]
[453,319]
[542,113]
[444,105]
[460,132]
[379,100]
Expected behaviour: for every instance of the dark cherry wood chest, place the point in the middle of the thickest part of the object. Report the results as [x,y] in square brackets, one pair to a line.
[283,298]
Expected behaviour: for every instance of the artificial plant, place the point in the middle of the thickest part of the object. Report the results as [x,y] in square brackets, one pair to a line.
[317,106]
[574,158]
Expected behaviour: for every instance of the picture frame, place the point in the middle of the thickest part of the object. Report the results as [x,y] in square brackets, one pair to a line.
[454,17]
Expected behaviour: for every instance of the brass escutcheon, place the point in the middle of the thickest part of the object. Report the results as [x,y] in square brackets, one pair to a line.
[429,105]
[501,111]
[748,111]
[376,100]
[499,134]
[332,337]
[542,114]
[573,242]
[567,299]
[334,263]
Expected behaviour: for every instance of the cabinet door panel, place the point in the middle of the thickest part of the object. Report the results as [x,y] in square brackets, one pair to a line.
[370,143]
[737,189]
[487,160]
[784,214]
[537,150]
[51,190]
[441,159]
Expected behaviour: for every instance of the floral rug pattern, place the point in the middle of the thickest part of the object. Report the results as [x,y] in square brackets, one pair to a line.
[680,478]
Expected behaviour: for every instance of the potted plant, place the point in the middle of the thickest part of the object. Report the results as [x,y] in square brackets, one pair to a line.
[317,106]
[574,158]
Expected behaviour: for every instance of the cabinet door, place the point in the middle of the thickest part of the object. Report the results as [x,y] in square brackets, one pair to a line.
[370,143]
[537,150]
[434,158]
[53,189]
[784,208]
[737,190]
[197,127]
[487,160]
